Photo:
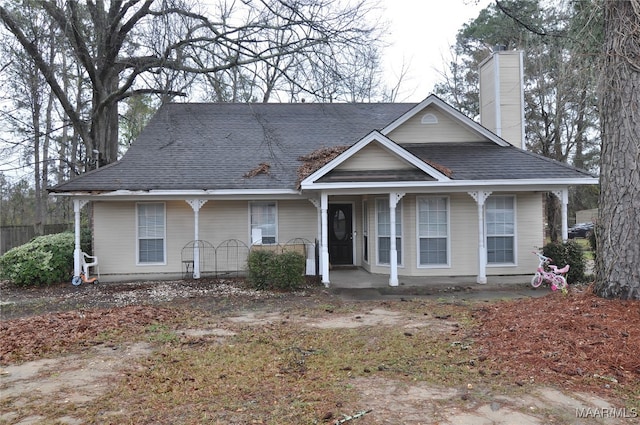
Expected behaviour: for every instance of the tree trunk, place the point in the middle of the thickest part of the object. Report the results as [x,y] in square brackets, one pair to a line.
[104,130]
[44,197]
[618,231]
[104,136]
[553,211]
[35,119]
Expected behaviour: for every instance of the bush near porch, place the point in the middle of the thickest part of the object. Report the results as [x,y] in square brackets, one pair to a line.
[44,260]
[271,270]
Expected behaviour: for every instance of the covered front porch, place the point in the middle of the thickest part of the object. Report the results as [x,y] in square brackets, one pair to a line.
[431,237]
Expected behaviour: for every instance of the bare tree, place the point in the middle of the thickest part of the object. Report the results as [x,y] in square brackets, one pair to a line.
[111,45]
[618,250]
[30,119]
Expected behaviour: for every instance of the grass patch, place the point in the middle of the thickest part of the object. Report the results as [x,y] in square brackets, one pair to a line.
[161,334]
[282,373]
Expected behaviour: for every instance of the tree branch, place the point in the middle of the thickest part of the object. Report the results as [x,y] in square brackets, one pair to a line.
[46,71]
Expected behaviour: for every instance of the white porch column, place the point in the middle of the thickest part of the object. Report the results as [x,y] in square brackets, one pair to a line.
[563,196]
[316,203]
[480,197]
[196,204]
[77,252]
[394,198]
[324,208]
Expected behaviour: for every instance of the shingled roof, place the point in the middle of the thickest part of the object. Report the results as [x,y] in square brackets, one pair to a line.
[231,146]
[489,161]
[213,146]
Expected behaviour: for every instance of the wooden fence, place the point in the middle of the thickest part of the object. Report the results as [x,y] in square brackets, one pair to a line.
[12,236]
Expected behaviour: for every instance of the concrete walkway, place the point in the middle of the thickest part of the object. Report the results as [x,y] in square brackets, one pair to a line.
[358,284]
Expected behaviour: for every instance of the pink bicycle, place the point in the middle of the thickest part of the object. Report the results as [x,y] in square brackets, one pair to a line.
[554,277]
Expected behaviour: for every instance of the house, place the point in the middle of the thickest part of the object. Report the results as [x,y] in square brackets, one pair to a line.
[393,188]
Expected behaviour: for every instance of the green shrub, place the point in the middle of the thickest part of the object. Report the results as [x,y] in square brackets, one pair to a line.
[567,253]
[268,270]
[258,263]
[44,260]
[287,271]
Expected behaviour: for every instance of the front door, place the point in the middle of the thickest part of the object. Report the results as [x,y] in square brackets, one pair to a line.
[340,234]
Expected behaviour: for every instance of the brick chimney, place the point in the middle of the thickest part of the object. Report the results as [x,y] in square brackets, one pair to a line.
[502,95]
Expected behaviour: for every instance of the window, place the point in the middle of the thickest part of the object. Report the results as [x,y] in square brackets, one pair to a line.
[500,219]
[433,231]
[365,231]
[263,222]
[151,233]
[429,119]
[384,231]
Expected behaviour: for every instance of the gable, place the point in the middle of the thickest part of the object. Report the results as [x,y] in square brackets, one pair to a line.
[432,125]
[392,163]
[374,157]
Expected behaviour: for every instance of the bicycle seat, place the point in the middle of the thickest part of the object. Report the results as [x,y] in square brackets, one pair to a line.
[556,270]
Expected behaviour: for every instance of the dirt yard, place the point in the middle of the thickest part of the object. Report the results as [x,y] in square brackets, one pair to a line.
[219,353]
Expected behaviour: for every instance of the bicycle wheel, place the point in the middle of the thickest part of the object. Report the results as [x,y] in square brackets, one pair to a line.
[562,283]
[76,281]
[537,280]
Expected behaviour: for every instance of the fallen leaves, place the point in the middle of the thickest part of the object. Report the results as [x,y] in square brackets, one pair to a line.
[28,338]
[262,168]
[317,159]
[578,340]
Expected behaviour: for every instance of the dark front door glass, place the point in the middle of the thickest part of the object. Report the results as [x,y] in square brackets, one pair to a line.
[340,234]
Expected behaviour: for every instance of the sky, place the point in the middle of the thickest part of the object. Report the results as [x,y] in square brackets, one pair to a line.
[421,33]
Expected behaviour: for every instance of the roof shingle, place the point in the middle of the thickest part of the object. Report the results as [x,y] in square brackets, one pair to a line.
[213,146]
[221,145]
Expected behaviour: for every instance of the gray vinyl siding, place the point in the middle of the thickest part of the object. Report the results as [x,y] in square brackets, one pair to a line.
[488,95]
[374,157]
[115,232]
[508,95]
[223,220]
[297,219]
[447,130]
[115,236]
[511,99]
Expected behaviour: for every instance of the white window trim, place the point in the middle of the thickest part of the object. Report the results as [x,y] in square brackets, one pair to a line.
[401,236]
[433,266]
[515,233]
[164,237]
[249,206]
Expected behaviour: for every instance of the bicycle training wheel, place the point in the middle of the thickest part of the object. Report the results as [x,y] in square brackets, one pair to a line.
[537,280]
[76,281]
